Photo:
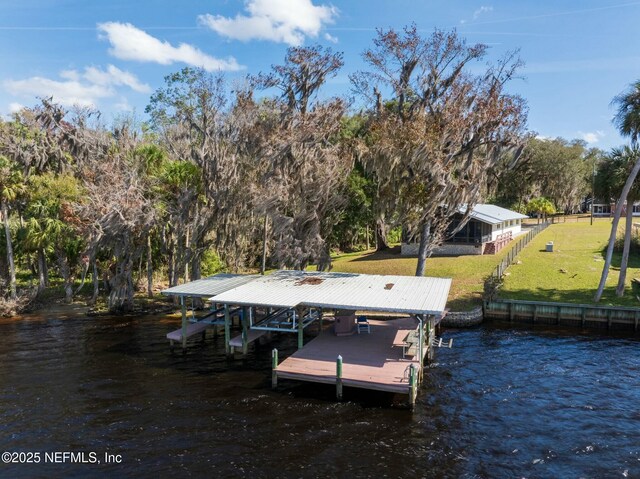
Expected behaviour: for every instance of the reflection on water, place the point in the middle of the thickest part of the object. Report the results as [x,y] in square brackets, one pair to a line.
[501,403]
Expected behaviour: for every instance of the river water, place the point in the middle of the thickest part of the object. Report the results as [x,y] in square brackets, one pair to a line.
[501,403]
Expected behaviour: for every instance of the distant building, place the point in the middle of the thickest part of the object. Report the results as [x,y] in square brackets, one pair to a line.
[488,230]
[603,209]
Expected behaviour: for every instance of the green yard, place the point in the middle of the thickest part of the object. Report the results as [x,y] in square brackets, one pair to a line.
[468,272]
[569,274]
[572,272]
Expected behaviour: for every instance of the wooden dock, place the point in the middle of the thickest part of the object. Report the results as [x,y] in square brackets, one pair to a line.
[369,361]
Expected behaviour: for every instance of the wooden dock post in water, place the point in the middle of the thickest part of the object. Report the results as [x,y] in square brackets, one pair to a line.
[274,367]
[412,385]
[431,333]
[339,378]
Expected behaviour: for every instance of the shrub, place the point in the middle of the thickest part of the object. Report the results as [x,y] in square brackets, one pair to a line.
[211,263]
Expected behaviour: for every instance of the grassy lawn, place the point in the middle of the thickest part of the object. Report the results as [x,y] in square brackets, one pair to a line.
[572,272]
[468,272]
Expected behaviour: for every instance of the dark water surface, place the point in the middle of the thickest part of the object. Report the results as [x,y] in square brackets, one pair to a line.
[501,403]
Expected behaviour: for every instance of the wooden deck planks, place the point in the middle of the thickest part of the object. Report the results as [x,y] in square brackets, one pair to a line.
[192,328]
[370,361]
[252,335]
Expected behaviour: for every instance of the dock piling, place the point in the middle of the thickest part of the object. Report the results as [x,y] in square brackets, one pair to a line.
[227,330]
[412,385]
[339,378]
[183,307]
[245,332]
[274,367]
[300,318]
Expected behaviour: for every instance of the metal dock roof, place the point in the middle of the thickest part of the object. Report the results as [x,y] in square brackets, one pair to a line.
[401,294]
[210,286]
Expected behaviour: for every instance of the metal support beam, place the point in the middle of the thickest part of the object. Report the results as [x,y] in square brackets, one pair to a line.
[274,367]
[339,378]
[227,330]
[421,345]
[299,317]
[184,322]
[430,337]
[245,331]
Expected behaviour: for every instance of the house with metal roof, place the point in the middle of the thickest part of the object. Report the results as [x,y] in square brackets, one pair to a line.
[488,229]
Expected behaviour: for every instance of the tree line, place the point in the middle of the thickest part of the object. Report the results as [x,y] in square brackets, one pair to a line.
[267,171]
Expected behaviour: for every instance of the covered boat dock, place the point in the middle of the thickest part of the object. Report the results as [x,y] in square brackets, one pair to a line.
[205,288]
[388,356]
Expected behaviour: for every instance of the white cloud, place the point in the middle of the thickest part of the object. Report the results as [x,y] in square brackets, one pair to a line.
[131,43]
[115,76]
[481,10]
[123,105]
[283,21]
[15,107]
[330,38]
[75,88]
[477,13]
[592,137]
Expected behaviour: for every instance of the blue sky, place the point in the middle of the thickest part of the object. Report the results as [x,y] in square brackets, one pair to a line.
[113,54]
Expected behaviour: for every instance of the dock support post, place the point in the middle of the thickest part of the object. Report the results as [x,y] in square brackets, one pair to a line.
[412,385]
[321,316]
[227,330]
[300,316]
[245,333]
[274,367]
[214,307]
[421,340]
[184,322]
[431,335]
[339,378]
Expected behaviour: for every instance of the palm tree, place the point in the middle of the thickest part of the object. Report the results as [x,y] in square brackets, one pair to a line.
[11,185]
[541,207]
[612,174]
[627,119]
